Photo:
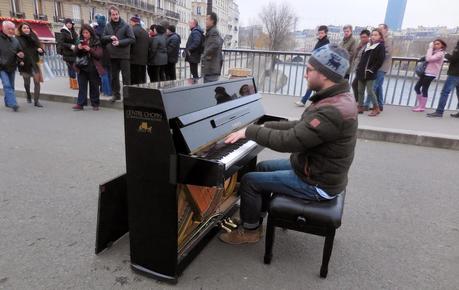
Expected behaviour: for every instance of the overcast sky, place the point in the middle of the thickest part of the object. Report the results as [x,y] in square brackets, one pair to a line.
[358,12]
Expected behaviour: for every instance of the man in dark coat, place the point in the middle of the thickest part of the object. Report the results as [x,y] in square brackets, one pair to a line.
[212,57]
[194,47]
[321,144]
[139,52]
[10,55]
[118,38]
[173,46]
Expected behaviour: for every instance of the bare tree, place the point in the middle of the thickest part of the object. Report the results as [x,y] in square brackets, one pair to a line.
[278,20]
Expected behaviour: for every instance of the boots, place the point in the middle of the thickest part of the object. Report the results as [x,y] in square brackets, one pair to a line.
[73,84]
[27,89]
[418,101]
[375,111]
[422,105]
[36,95]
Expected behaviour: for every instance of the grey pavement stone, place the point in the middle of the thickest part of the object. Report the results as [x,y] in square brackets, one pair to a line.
[400,226]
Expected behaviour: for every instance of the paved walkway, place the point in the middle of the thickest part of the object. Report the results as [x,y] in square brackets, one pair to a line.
[399,227]
[396,124]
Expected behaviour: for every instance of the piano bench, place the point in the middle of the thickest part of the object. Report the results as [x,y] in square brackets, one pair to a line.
[313,217]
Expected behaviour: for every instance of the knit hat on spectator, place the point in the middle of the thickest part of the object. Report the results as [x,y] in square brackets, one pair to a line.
[330,60]
[135,18]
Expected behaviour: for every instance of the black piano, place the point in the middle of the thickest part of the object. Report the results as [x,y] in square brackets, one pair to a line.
[181,179]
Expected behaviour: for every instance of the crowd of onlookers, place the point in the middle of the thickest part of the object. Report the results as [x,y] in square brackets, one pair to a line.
[371,58]
[101,51]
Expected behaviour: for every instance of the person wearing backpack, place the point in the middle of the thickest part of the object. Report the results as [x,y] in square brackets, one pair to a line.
[66,46]
[194,47]
[434,58]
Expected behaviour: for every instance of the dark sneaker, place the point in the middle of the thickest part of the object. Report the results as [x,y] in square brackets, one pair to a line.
[114,99]
[37,104]
[15,108]
[455,115]
[77,108]
[241,236]
[435,115]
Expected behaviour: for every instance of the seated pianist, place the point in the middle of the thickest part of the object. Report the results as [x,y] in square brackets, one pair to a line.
[321,144]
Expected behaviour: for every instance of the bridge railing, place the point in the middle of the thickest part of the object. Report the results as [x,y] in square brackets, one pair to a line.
[282,73]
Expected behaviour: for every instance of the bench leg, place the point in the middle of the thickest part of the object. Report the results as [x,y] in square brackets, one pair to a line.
[328,246]
[269,241]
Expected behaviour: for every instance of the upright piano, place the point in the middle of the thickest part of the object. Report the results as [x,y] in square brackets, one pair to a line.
[180,183]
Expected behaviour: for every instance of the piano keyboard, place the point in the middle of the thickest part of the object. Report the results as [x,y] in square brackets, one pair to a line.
[228,154]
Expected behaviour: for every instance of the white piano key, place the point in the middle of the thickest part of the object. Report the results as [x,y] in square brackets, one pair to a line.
[237,154]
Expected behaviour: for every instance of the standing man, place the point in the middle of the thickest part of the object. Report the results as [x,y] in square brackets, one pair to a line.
[322,144]
[451,81]
[379,81]
[66,45]
[194,47]
[10,56]
[322,39]
[349,43]
[212,58]
[139,52]
[364,40]
[173,46]
[118,37]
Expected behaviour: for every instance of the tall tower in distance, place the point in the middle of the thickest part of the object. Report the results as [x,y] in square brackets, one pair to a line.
[395,12]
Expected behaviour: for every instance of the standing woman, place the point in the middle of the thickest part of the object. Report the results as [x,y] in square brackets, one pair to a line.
[67,43]
[89,68]
[434,58]
[32,49]
[370,62]
[157,54]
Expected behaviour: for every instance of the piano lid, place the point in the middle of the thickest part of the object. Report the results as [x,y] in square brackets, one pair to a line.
[182,97]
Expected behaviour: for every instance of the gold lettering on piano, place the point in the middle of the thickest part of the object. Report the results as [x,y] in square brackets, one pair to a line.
[142,115]
[144,128]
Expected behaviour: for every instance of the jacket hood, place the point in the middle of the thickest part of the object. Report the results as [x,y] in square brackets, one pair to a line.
[66,29]
[339,88]
[198,28]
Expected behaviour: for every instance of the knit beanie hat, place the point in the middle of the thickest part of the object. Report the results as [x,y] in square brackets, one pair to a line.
[330,60]
[135,18]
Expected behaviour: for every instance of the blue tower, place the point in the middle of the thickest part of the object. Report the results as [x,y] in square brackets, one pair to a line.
[394,14]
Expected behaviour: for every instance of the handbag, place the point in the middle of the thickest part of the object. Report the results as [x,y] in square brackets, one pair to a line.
[82,61]
[421,67]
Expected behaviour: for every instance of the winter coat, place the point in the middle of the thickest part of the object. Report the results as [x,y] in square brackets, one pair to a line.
[321,42]
[434,61]
[173,47]
[388,46]
[194,45]
[139,50]
[453,59]
[67,42]
[157,51]
[350,45]
[125,36]
[95,55]
[322,142]
[371,61]
[29,44]
[99,30]
[9,47]
[212,57]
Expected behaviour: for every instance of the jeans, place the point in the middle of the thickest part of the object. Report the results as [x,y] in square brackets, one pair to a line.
[194,70]
[271,176]
[450,83]
[306,96]
[92,77]
[378,89]
[423,84]
[116,66]
[70,70]
[369,85]
[8,87]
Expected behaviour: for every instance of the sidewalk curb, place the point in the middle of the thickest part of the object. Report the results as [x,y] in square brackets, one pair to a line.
[392,135]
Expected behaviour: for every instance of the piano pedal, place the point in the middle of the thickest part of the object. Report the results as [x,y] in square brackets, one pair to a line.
[228,222]
[224,227]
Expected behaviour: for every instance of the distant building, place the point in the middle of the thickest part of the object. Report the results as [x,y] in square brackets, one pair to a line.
[395,12]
